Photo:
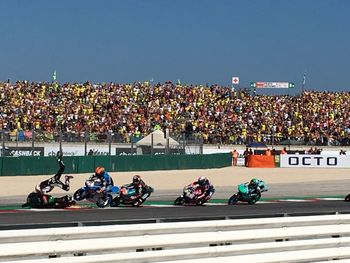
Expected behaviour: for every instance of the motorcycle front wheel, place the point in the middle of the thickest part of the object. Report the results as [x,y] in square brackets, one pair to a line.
[233,199]
[179,201]
[138,202]
[142,199]
[347,198]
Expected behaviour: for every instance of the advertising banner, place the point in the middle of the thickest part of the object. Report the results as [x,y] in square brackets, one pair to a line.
[156,151]
[125,151]
[314,160]
[271,85]
[24,151]
[77,150]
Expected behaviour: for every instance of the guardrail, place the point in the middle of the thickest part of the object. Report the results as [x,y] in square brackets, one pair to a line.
[287,239]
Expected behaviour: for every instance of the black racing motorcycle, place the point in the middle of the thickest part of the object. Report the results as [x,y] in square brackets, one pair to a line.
[128,195]
[37,200]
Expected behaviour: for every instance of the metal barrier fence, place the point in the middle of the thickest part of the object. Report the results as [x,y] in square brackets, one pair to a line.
[29,141]
[288,239]
[188,143]
[36,136]
[113,137]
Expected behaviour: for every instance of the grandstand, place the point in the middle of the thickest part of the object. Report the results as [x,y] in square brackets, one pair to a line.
[125,113]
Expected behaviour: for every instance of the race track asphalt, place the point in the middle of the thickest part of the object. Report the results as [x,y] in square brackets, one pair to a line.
[93,216]
[281,200]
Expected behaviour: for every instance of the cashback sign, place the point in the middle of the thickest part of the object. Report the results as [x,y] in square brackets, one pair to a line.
[271,85]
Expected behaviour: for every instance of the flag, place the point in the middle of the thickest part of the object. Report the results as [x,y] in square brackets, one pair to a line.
[235,80]
[304,79]
[54,76]
[178,82]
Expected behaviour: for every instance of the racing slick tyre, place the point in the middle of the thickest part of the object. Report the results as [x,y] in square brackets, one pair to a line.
[201,201]
[63,202]
[179,201]
[115,202]
[79,195]
[104,201]
[138,202]
[233,199]
[347,198]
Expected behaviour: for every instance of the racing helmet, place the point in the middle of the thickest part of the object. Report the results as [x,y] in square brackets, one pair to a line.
[202,180]
[136,179]
[254,182]
[99,171]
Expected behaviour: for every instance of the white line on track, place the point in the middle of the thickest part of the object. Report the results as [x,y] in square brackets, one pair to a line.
[329,199]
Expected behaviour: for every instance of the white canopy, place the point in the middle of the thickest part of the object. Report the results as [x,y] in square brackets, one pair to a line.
[158,140]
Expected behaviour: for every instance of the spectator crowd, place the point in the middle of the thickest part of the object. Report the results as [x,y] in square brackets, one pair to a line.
[215,113]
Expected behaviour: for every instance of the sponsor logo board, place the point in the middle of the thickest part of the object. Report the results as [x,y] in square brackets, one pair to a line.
[23,151]
[318,161]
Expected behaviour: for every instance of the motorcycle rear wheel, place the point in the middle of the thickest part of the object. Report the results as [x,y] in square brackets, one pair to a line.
[115,202]
[233,199]
[104,201]
[79,195]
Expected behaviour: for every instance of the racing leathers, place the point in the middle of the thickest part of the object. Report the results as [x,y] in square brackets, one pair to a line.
[55,181]
[105,181]
[140,187]
[38,200]
[208,190]
[40,197]
[256,187]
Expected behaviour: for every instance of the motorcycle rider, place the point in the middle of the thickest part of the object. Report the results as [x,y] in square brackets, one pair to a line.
[138,184]
[38,200]
[102,177]
[40,197]
[134,193]
[55,181]
[207,187]
[255,186]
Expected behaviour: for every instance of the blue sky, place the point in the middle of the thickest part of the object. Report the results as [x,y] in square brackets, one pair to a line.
[196,41]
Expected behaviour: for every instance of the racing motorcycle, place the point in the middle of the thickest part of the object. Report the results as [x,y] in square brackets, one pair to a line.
[129,196]
[90,193]
[190,196]
[36,200]
[244,194]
